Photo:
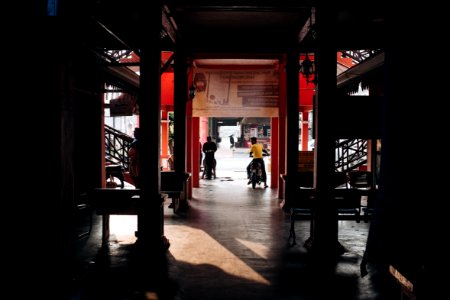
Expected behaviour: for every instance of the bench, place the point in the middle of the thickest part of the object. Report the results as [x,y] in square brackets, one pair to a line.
[406,286]
[108,202]
[115,201]
[369,208]
[303,207]
[117,171]
[174,185]
[347,203]
[300,179]
[306,179]
[363,182]
[111,201]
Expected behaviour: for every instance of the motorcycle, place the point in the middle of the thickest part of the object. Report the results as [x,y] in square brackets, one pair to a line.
[209,168]
[206,169]
[256,175]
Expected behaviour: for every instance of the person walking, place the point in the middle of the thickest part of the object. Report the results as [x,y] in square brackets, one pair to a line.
[232,142]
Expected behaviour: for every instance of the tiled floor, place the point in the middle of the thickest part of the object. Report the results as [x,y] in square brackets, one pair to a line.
[232,244]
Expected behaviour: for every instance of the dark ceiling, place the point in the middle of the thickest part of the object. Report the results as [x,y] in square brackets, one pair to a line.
[225,28]
[241,28]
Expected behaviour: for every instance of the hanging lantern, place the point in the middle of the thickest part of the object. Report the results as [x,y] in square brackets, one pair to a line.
[307,68]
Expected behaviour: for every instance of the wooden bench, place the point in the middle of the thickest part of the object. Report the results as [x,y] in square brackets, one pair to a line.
[303,207]
[363,181]
[108,202]
[406,286]
[369,208]
[300,179]
[174,185]
[117,171]
[346,201]
[306,179]
[115,201]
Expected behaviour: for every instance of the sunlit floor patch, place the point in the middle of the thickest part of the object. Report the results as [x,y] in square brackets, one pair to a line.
[257,248]
[208,251]
[123,228]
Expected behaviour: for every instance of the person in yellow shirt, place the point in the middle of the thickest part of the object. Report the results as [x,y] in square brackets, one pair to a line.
[257,150]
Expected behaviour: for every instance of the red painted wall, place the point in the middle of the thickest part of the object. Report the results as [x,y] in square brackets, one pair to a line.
[167,89]
[306,90]
[346,61]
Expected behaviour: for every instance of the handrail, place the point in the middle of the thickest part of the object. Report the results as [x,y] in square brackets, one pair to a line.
[117,145]
[350,154]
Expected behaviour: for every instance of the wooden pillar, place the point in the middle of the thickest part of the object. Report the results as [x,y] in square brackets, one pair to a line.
[150,217]
[292,68]
[305,131]
[274,170]
[282,127]
[189,142]
[325,225]
[196,148]
[164,139]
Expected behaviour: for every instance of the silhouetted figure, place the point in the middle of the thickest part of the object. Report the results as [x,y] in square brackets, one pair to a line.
[133,157]
[232,142]
[209,148]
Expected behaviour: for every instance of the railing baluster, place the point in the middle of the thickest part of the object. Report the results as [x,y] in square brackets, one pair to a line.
[350,154]
[117,145]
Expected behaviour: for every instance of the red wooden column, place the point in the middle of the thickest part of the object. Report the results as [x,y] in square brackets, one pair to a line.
[189,150]
[164,138]
[196,152]
[304,131]
[274,170]
[192,136]
[281,128]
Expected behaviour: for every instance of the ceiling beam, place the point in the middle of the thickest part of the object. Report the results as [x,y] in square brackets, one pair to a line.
[169,24]
[117,38]
[358,71]
[308,26]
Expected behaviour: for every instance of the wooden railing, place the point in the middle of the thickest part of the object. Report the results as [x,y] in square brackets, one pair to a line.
[350,154]
[117,145]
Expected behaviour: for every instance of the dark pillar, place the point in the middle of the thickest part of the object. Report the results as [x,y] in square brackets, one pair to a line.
[325,225]
[292,68]
[282,128]
[399,221]
[150,221]
[189,149]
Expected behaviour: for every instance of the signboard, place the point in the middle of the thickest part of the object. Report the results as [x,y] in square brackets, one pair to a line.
[124,105]
[306,161]
[243,93]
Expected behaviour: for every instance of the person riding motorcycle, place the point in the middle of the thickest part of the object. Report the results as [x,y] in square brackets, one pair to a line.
[257,152]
